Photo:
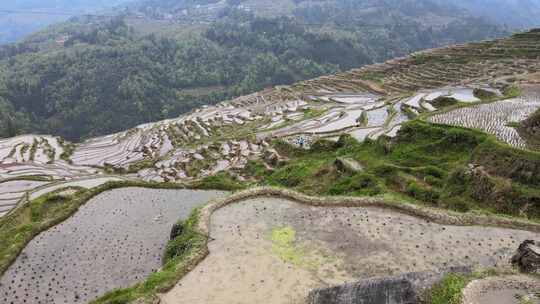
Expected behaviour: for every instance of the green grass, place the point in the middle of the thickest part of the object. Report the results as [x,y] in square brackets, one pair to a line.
[511,91]
[182,253]
[449,290]
[39,178]
[283,246]
[68,147]
[485,95]
[20,226]
[222,181]
[425,163]
[312,113]
[24,223]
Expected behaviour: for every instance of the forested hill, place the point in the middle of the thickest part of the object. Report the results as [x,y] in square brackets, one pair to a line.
[89,77]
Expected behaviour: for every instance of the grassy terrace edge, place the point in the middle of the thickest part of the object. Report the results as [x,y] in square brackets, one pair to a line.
[19,227]
[189,248]
[185,251]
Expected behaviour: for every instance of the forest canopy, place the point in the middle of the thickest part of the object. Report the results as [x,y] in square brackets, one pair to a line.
[106,76]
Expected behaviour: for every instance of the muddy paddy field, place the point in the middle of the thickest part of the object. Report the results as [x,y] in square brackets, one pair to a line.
[115,240]
[270,250]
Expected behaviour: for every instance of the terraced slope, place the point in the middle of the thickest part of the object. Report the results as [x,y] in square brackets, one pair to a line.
[365,103]
[460,64]
[417,113]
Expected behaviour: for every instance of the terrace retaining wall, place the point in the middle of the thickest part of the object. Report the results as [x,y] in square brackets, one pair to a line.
[438,216]
[409,288]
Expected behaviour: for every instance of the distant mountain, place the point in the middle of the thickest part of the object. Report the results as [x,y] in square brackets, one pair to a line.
[515,14]
[22,17]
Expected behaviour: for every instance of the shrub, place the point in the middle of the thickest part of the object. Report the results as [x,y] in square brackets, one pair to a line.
[422,193]
[458,204]
[183,243]
[346,141]
[484,94]
[385,170]
[220,181]
[448,291]
[444,101]
[511,91]
[293,174]
[432,171]
[359,184]
[323,145]
[462,137]
[433,181]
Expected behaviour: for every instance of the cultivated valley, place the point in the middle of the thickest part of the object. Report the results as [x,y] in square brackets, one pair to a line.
[413,180]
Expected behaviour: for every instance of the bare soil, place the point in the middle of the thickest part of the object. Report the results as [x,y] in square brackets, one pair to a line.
[270,250]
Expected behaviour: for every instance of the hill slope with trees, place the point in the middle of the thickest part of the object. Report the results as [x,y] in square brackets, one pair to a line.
[94,76]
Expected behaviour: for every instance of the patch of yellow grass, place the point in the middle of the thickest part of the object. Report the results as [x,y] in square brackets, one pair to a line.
[283,246]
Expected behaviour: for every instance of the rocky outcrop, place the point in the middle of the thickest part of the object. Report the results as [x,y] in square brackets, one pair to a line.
[527,257]
[350,165]
[404,289]
[273,158]
[176,230]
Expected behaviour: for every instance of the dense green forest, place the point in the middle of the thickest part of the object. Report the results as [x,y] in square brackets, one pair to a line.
[105,76]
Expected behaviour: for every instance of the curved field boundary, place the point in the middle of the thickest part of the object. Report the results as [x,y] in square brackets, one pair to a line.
[199,221]
[23,233]
[26,198]
[438,216]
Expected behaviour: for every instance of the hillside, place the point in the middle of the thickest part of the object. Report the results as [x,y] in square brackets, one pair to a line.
[93,76]
[414,164]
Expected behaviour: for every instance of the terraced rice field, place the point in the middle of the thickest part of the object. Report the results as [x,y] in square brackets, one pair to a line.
[493,118]
[271,250]
[26,148]
[362,133]
[115,149]
[115,240]
[357,99]
[58,170]
[11,192]
[348,118]
[87,183]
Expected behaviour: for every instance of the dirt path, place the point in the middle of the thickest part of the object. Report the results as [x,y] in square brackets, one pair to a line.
[271,250]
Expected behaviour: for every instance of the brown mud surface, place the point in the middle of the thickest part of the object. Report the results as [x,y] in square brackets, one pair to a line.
[272,250]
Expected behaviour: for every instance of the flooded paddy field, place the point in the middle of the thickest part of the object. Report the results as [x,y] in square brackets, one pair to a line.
[84,183]
[271,250]
[12,191]
[493,118]
[115,240]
